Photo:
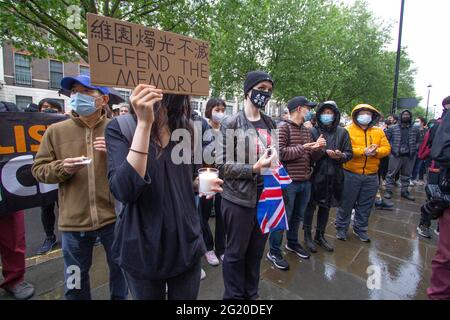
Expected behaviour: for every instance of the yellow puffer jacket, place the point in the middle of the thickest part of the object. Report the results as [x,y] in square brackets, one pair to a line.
[361,139]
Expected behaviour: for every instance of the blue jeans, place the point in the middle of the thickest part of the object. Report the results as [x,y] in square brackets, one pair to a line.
[77,251]
[297,198]
[419,169]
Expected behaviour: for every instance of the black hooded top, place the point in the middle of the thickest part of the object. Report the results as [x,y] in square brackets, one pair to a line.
[328,176]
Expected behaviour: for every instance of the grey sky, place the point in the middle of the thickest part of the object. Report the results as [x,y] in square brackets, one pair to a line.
[426,30]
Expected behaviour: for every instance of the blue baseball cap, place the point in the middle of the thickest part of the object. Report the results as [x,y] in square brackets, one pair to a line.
[67,83]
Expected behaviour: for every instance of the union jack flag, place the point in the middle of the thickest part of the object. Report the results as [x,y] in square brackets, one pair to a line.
[271,212]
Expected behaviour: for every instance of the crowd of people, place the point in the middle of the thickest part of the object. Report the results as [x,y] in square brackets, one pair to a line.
[147,212]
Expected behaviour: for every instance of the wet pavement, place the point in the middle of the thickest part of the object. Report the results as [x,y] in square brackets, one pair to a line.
[402,257]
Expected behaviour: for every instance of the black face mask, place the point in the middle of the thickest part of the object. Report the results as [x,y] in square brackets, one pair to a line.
[406,119]
[260,98]
[50,110]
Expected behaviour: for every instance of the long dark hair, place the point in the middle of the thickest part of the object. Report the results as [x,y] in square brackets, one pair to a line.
[175,111]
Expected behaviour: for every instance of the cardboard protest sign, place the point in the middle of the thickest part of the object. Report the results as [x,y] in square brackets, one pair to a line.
[20,137]
[123,54]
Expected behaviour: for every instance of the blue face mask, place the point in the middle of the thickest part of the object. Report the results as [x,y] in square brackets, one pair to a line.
[309,116]
[326,119]
[364,119]
[82,104]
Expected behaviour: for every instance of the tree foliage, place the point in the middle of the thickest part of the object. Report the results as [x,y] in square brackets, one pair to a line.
[318,48]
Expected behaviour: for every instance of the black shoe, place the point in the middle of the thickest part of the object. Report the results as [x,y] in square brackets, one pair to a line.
[309,242]
[424,231]
[298,250]
[408,196]
[321,241]
[278,261]
[48,245]
[388,195]
[384,204]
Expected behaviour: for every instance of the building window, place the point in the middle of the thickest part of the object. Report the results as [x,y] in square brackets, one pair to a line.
[84,70]
[125,95]
[22,69]
[23,101]
[229,110]
[56,74]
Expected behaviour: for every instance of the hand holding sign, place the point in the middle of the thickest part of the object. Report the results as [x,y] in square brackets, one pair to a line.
[143,99]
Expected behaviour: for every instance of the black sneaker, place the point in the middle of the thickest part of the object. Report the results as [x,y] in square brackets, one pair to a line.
[298,250]
[48,245]
[278,261]
[363,236]
[424,231]
[407,196]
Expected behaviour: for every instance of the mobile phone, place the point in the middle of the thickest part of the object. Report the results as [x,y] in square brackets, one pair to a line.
[84,161]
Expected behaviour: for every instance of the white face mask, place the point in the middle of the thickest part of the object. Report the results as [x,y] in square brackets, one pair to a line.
[217,116]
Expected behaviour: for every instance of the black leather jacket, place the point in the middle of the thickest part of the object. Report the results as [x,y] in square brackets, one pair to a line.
[240,183]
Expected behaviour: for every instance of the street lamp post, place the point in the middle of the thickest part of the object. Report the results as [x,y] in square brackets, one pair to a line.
[428,100]
[397,64]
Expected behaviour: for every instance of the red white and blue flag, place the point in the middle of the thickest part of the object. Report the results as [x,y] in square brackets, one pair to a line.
[271,212]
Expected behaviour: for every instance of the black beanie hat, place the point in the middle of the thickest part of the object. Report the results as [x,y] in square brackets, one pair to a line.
[255,77]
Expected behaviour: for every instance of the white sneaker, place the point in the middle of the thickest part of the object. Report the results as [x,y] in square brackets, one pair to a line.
[222,256]
[412,183]
[202,274]
[353,215]
[212,258]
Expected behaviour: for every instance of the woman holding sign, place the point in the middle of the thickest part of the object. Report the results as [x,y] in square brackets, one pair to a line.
[243,185]
[159,241]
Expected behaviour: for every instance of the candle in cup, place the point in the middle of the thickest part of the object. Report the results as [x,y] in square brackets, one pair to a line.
[206,177]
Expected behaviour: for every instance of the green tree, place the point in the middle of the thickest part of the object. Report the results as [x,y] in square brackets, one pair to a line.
[318,48]
[36,25]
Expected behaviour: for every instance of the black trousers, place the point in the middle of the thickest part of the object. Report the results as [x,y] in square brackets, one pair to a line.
[243,253]
[322,217]
[205,208]
[48,219]
[182,287]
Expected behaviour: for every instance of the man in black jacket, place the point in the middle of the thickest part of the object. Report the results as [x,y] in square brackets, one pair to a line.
[403,138]
[328,177]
